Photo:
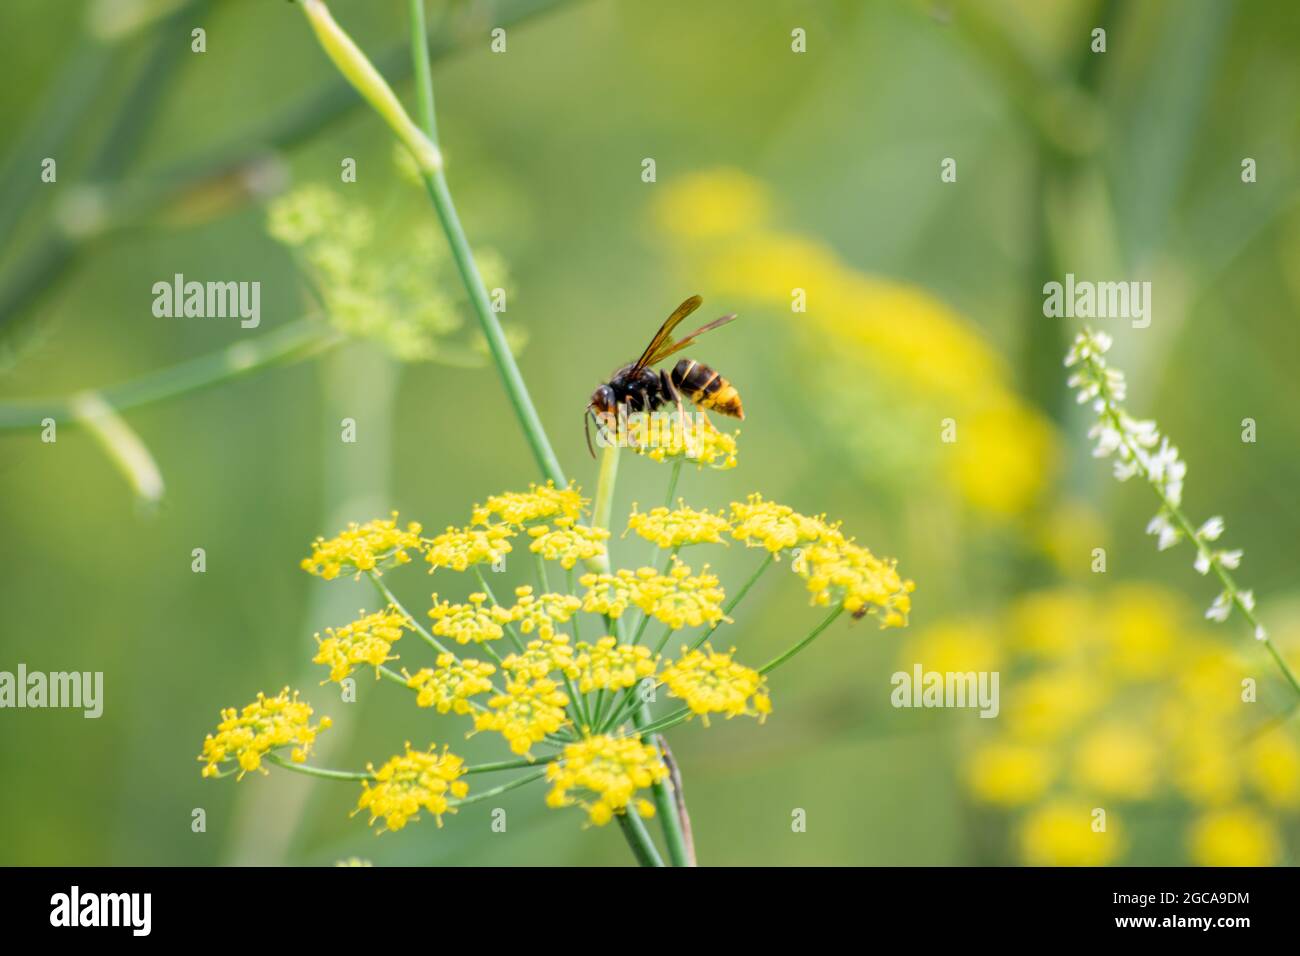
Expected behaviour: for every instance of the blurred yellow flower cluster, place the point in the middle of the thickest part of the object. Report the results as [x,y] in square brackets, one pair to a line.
[868,343]
[367,640]
[373,289]
[1118,706]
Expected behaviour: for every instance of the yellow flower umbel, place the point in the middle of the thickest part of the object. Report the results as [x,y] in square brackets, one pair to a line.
[710,682]
[405,785]
[609,771]
[452,684]
[839,571]
[660,437]
[539,503]
[460,549]
[567,542]
[540,613]
[265,725]
[474,622]
[368,547]
[609,594]
[680,527]
[609,665]
[680,598]
[367,640]
[778,528]
[543,657]
[525,713]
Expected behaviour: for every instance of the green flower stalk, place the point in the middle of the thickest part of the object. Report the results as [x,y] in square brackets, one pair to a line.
[1139,449]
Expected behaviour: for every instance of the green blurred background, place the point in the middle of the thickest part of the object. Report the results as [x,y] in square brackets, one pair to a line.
[775,169]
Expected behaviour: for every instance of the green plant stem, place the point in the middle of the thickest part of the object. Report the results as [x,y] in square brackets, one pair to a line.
[299,340]
[1225,578]
[738,597]
[602,509]
[780,659]
[497,791]
[321,772]
[508,627]
[419,628]
[638,839]
[435,184]
[669,805]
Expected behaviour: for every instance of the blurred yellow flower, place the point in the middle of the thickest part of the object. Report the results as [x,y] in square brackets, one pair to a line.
[1009,774]
[1273,766]
[1236,836]
[1117,760]
[954,647]
[464,623]
[1064,833]
[876,331]
[543,657]
[1049,704]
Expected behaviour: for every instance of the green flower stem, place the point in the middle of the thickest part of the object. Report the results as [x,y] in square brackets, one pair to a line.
[621,712]
[541,575]
[638,839]
[294,342]
[602,508]
[663,641]
[509,628]
[321,772]
[511,764]
[435,183]
[420,629]
[1229,585]
[780,659]
[669,806]
[672,482]
[738,596]
[497,791]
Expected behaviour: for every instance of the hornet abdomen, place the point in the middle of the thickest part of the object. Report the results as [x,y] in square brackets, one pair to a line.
[706,388]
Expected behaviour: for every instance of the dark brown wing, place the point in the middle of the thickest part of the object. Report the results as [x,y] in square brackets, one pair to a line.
[664,335]
[670,346]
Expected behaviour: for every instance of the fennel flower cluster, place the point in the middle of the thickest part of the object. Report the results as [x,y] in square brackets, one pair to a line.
[1122,703]
[394,295]
[564,676]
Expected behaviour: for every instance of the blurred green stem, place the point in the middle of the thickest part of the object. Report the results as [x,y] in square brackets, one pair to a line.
[292,343]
